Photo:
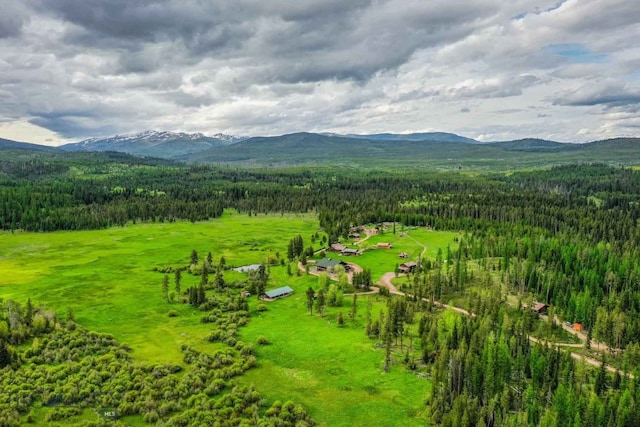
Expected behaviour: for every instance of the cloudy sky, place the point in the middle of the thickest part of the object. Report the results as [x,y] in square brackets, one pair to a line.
[486,69]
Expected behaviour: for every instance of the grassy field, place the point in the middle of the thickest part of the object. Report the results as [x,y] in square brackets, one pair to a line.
[413,241]
[107,278]
[336,373]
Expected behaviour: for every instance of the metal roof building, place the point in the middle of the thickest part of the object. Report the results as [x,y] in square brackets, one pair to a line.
[248,268]
[279,293]
[328,263]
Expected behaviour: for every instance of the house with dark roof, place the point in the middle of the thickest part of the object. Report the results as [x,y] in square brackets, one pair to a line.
[540,307]
[274,294]
[329,264]
[407,267]
[349,252]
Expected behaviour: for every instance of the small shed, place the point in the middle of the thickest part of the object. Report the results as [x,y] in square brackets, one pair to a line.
[274,294]
[349,252]
[354,235]
[540,307]
[578,326]
[403,255]
[383,245]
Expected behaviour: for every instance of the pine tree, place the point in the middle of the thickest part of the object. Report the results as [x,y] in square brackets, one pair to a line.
[204,275]
[5,355]
[194,257]
[178,281]
[201,295]
[219,281]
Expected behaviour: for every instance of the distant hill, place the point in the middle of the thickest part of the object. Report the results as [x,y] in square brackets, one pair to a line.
[305,148]
[425,136]
[155,143]
[15,145]
[377,151]
[534,145]
[322,149]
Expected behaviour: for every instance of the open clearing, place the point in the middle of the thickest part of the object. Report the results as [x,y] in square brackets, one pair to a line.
[107,278]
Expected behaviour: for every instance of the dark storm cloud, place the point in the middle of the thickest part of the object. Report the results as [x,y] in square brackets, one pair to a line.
[72,125]
[295,41]
[608,94]
[13,15]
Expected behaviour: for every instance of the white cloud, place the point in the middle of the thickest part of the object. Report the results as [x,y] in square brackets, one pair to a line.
[488,68]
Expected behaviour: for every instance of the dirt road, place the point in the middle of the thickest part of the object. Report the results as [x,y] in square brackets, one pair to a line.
[385,281]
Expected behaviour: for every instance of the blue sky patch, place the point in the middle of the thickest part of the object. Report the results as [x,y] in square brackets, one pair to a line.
[576,52]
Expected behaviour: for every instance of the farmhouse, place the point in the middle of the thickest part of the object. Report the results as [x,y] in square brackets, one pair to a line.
[329,263]
[274,294]
[540,307]
[578,326]
[382,245]
[337,247]
[407,267]
[354,235]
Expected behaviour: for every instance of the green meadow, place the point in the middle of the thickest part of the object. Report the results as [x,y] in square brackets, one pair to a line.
[335,372]
[106,276]
[108,279]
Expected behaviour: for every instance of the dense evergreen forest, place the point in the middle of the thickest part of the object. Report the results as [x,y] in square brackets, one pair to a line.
[568,236]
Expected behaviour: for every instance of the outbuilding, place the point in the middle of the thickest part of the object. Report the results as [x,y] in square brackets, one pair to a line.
[328,264]
[407,267]
[540,307]
[274,294]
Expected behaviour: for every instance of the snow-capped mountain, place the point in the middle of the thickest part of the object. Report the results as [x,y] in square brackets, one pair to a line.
[155,143]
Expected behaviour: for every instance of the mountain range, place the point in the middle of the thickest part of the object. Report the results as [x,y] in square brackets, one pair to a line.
[434,149]
[155,144]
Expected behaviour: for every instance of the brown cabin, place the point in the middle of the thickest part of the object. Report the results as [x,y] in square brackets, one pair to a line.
[540,307]
[407,267]
[337,247]
[382,245]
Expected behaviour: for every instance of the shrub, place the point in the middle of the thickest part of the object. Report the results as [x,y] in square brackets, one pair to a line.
[172,313]
[262,340]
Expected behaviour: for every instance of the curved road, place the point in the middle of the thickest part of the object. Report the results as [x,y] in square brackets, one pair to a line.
[385,281]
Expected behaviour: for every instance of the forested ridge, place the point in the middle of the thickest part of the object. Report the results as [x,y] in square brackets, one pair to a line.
[568,236]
